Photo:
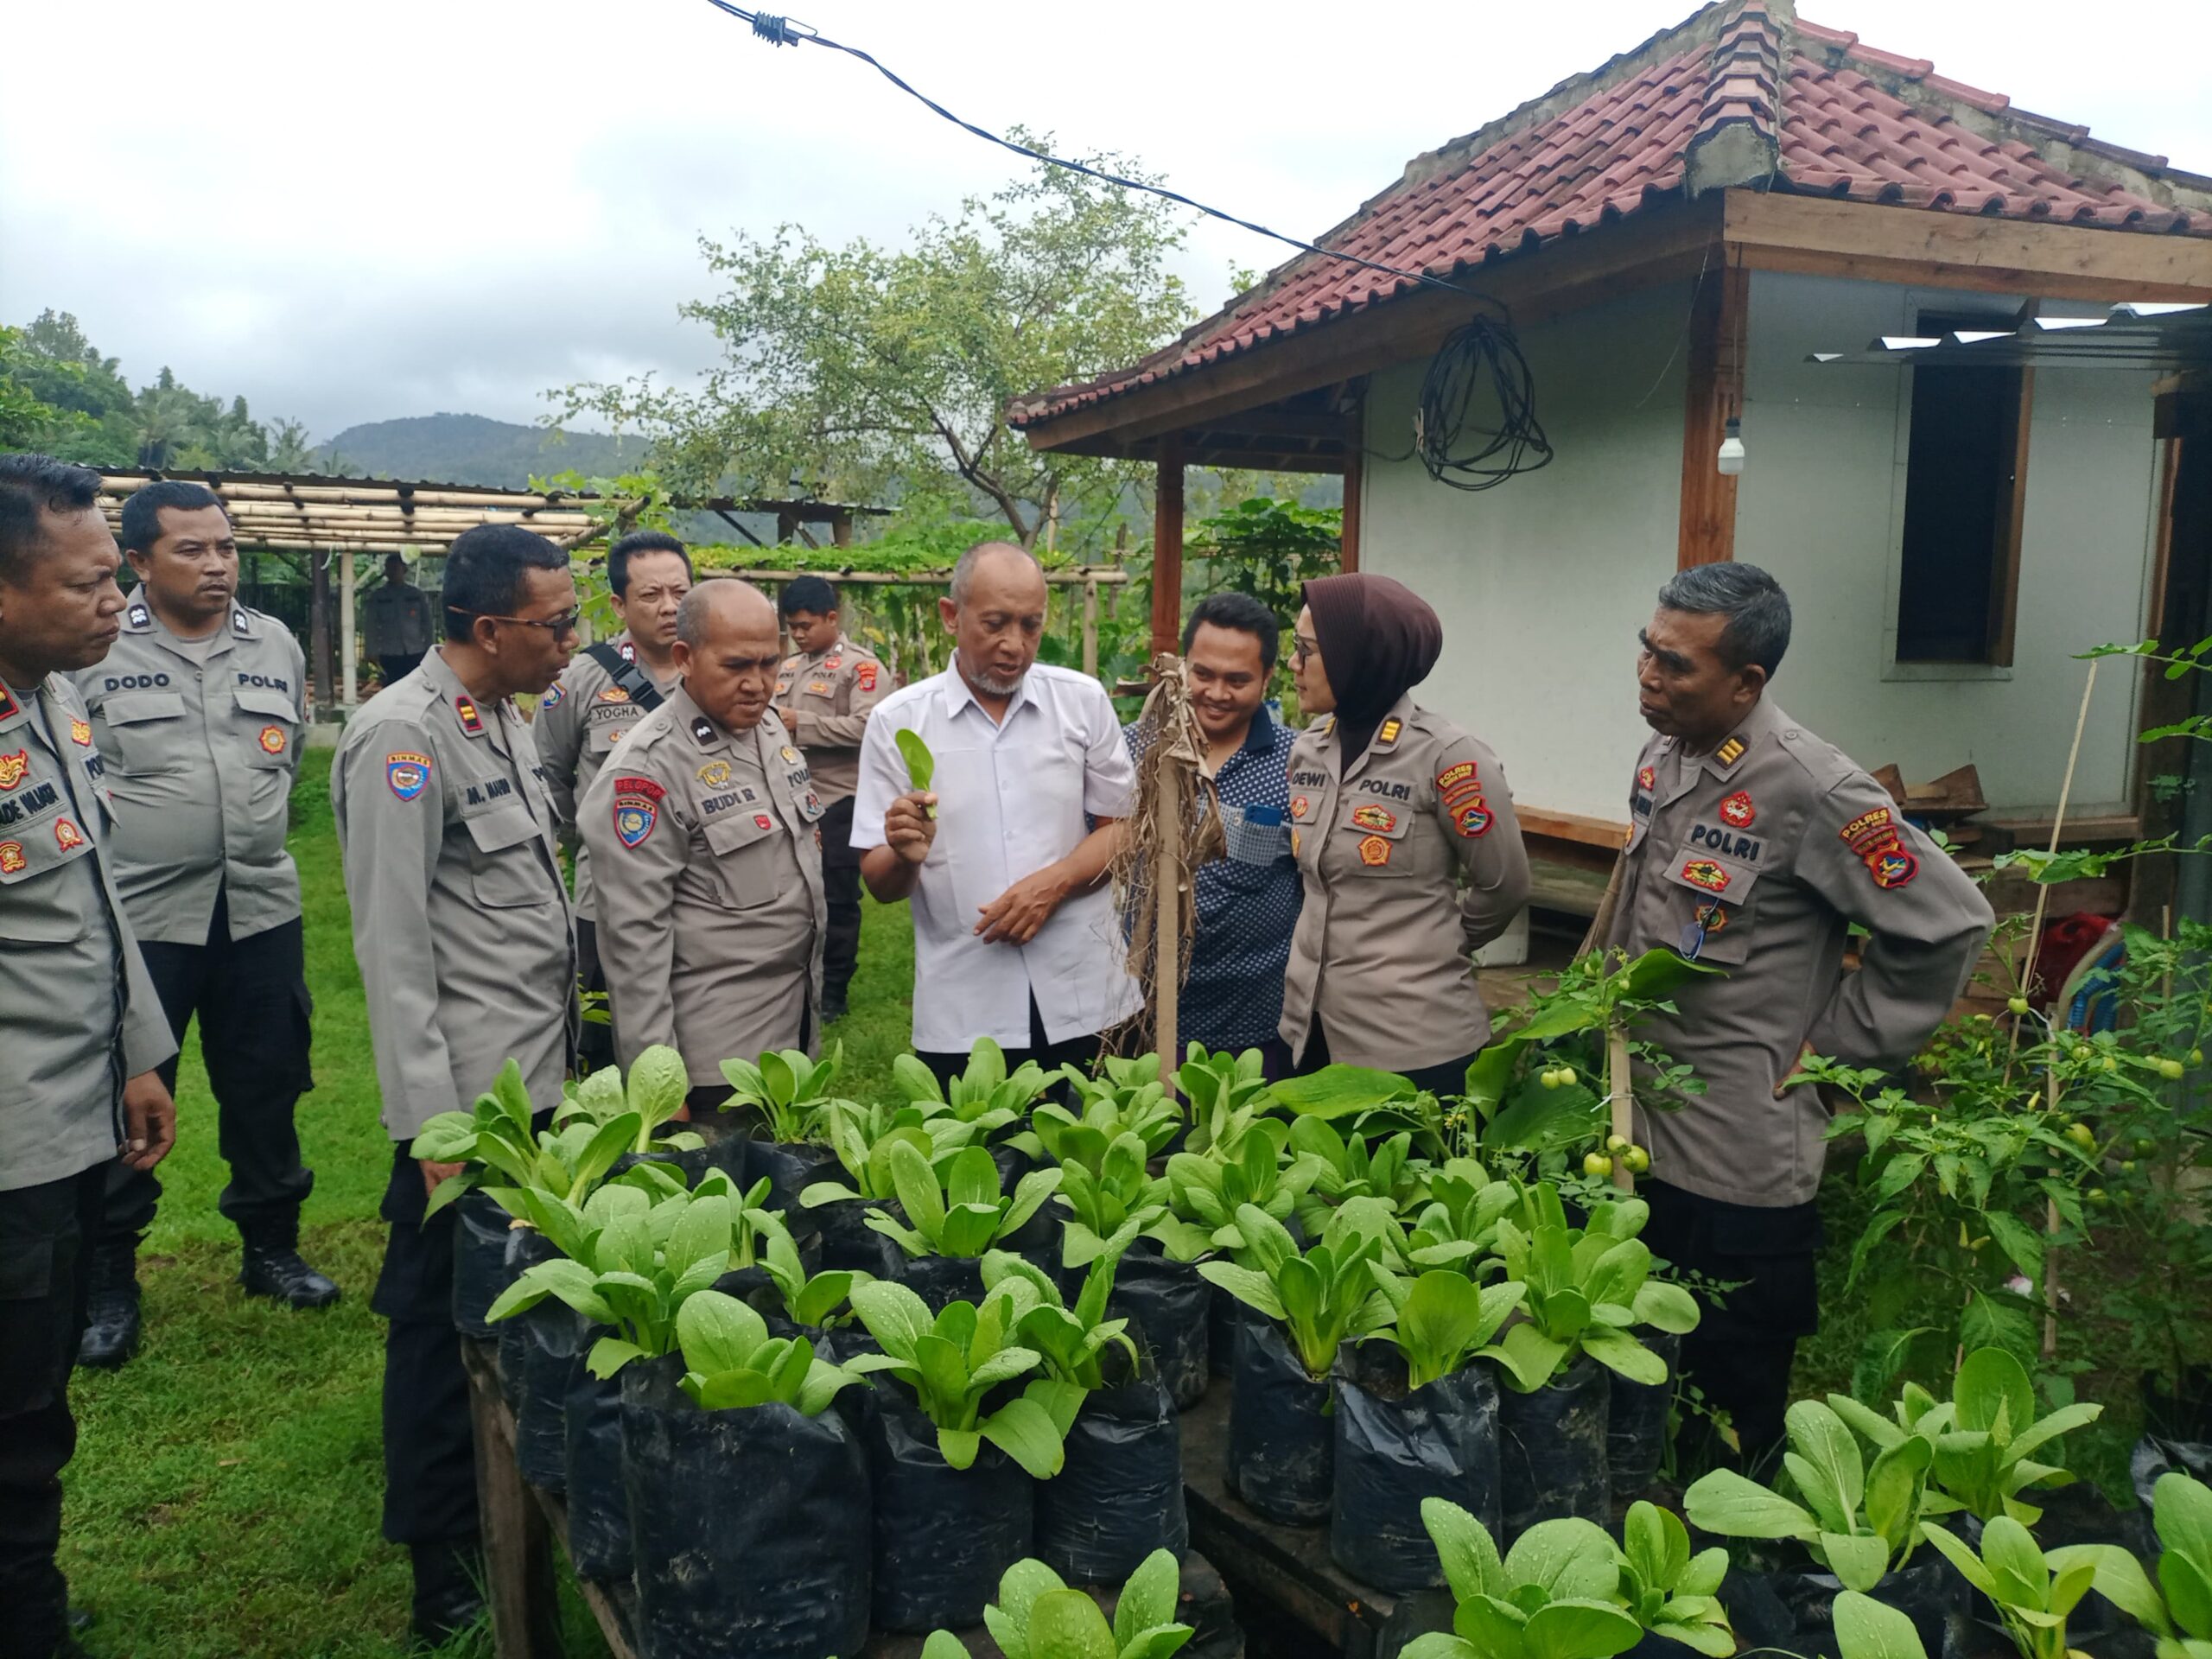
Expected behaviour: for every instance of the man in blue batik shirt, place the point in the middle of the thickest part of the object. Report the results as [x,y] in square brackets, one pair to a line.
[1247,901]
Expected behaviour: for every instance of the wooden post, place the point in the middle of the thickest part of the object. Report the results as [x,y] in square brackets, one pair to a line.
[1167,929]
[318,627]
[1121,553]
[1167,547]
[1624,1104]
[1091,628]
[348,648]
[1355,485]
[519,1583]
[1706,534]
[840,529]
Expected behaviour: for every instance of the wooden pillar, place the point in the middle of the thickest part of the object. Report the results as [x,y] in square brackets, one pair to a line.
[840,529]
[1167,547]
[349,651]
[1090,627]
[1355,485]
[318,627]
[1717,317]
[520,1586]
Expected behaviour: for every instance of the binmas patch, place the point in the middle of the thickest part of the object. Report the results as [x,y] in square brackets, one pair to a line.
[1371,816]
[637,809]
[1704,872]
[1474,820]
[272,740]
[1737,811]
[1374,851]
[1891,867]
[407,774]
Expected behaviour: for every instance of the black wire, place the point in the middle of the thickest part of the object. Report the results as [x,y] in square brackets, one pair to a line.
[1507,434]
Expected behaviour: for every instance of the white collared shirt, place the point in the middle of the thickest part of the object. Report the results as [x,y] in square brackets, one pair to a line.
[1012,798]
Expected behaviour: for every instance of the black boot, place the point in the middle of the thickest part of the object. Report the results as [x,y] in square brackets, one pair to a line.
[273,1267]
[448,1593]
[833,1003]
[111,1333]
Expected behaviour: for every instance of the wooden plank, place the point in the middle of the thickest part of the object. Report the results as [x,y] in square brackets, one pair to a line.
[1707,532]
[517,1544]
[1822,236]
[1609,833]
[1656,244]
[1167,548]
[2005,589]
[1355,483]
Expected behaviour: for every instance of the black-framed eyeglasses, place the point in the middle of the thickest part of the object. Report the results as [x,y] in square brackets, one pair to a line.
[564,623]
[1303,650]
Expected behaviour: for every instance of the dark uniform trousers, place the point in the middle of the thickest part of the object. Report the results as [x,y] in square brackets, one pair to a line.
[1081,1052]
[251,995]
[429,1467]
[45,1238]
[1740,1354]
[595,1041]
[841,883]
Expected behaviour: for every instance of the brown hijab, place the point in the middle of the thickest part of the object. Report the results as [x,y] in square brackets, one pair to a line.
[1378,640]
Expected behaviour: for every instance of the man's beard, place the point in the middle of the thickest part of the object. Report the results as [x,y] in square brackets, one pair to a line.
[992,684]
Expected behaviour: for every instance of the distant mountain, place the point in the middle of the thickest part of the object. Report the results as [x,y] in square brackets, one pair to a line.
[475,449]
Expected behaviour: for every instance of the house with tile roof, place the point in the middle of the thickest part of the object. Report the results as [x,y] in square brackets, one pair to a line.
[1678,236]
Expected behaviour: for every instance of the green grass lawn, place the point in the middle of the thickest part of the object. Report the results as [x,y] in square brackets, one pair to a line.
[226,1497]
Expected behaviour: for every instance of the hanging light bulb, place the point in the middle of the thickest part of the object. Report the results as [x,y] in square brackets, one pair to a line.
[1730,459]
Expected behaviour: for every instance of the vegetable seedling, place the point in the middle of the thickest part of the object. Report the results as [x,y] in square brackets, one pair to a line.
[1038,1617]
[1440,1320]
[1554,1595]
[1322,1299]
[965,1212]
[921,764]
[730,1360]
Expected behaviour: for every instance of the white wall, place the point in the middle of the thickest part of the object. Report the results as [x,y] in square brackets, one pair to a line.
[1822,503]
[1544,581]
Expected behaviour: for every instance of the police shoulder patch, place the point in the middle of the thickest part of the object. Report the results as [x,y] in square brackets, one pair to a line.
[1892,867]
[702,729]
[1451,777]
[1473,820]
[407,772]
[81,732]
[554,696]
[637,809]
[864,677]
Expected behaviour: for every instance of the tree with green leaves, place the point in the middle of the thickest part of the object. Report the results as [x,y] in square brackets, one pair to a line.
[875,374]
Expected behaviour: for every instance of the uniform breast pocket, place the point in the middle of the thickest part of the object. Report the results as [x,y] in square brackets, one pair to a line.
[744,846]
[36,908]
[605,734]
[270,723]
[1712,905]
[145,731]
[1375,832]
[505,869]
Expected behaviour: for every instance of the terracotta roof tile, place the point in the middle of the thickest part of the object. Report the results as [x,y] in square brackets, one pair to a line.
[1836,129]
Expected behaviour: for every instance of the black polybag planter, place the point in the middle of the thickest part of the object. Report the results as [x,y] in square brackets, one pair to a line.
[750,1526]
[1224,1314]
[1395,1448]
[535,1391]
[1282,1442]
[1171,1304]
[1636,1422]
[725,1152]
[1927,1593]
[941,1281]
[943,1537]
[479,1263]
[848,1243]
[1119,1494]
[792,1168]
[1551,1445]
[599,1513]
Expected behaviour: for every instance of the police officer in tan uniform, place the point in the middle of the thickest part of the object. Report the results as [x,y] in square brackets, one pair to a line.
[1403,830]
[1753,846]
[199,712]
[823,693]
[462,927]
[607,689]
[702,830]
[81,1025]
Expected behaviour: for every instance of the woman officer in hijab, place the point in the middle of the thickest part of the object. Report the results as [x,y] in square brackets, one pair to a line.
[1391,809]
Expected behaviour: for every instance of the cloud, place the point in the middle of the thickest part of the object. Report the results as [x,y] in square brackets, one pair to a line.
[349,215]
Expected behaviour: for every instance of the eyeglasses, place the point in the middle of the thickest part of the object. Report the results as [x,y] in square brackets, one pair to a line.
[1303,650]
[564,623]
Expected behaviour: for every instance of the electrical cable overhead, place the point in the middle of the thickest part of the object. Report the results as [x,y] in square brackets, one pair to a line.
[1482,346]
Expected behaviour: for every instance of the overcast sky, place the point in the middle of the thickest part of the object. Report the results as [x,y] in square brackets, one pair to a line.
[350,213]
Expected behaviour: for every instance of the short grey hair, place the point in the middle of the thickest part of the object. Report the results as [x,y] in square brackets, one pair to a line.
[964,574]
[706,599]
[1756,608]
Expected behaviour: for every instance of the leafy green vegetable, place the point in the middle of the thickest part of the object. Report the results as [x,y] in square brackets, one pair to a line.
[985,1098]
[2033,1594]
[2178,1609]
[806,1301]
[1035,1619]
[1073,1341]
[1555,1595]
[1226,1091]
[788,1088]
[1099,1203]
[1867,1628]
[1323,1298]
[1670,1592]
[1206,1190]
[1440,1320]
[921,764]
[731,1360]
[951,1362]
[962,1212]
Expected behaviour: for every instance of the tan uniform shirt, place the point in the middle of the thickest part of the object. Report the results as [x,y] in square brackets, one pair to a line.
[1381,950]
[202,743]
[824,699]
[1757,858]
[579,722]
[460,919]
[78,1014]
[711,910]
[395,620]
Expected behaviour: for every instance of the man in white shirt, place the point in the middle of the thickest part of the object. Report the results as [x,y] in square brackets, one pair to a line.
[1005,856]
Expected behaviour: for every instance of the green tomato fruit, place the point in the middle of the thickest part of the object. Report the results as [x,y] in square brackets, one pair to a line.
[1637,1160]
[2170,1069]
[2082,1134]
[1616,1143]
[2111,1063]
[2127,1166]
[2017,1004]
[1549,1079]
[1566,1078]
[2095,1195]
[1597,1163]
[2196,1057]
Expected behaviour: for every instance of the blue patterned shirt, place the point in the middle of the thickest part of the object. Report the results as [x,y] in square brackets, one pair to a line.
[1247,902]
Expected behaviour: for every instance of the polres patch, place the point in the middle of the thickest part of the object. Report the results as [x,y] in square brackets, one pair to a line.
[407,774]
[1451,776]
[1704,872]
[864,677]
